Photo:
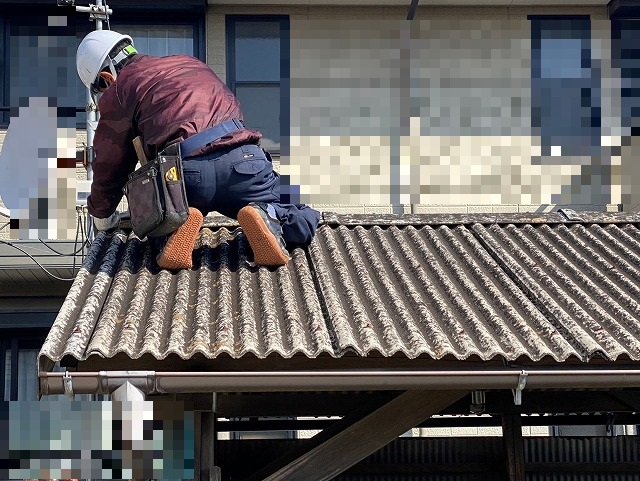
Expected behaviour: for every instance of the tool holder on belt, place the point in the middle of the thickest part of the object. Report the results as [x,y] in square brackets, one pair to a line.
[156,192]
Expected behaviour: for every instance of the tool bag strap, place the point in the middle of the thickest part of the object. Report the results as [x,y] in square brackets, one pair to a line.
[208,136]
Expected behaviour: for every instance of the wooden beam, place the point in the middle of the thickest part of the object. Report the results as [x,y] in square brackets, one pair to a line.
[207,469]
[497,403]
[366,436]
[513,446]
[296,403]
[355,414]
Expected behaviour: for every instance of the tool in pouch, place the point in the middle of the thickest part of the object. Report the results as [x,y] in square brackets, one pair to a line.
[156,192]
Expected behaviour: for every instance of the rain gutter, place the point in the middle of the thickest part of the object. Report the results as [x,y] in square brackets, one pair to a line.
[152,382]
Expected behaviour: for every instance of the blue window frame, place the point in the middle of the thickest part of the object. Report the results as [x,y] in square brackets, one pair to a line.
[565,87]
[18,353]
[625,56]
[258,70]
[34,58]
[25,70]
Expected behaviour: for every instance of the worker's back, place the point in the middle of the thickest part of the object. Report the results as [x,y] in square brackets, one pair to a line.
[171,98]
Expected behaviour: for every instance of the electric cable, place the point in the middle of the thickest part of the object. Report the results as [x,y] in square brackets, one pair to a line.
[71,254]
[36,261]
[80,232]
[79,229]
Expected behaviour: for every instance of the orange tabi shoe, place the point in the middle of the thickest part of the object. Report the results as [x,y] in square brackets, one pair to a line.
[176,253]
[264,233]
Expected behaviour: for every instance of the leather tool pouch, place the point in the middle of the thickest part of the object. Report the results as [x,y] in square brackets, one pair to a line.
[157,196]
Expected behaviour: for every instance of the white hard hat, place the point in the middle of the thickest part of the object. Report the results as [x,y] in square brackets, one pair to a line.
[93,51]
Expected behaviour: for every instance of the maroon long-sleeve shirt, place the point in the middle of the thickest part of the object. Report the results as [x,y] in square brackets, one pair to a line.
[164,100]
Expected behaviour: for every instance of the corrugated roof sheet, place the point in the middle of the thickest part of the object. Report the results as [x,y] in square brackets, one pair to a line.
[432,288]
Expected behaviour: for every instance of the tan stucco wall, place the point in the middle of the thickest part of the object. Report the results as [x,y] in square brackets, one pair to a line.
[302,17]
[334,162]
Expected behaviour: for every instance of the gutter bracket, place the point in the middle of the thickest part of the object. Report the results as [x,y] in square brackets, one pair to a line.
[517,392]
[67,380]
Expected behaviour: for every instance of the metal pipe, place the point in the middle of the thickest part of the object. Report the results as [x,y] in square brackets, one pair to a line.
[412,9]
[95,9]
[92,109]
[151,382]
[96,12]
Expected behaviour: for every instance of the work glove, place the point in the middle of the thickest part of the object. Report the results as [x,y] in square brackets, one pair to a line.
[110,222]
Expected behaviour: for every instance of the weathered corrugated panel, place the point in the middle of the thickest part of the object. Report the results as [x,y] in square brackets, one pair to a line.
[586,280]
[460,459]
[531,290]
[618,450]
[428,290]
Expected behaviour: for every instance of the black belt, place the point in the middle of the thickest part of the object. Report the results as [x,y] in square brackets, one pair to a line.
[206,137]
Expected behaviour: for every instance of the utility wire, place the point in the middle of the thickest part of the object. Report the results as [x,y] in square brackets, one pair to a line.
[80,232]
[36,261]
[80,249]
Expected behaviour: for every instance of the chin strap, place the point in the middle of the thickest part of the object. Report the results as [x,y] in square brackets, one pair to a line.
[123,54]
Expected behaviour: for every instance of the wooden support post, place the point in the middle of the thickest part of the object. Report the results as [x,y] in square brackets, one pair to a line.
[366,436]
[205,468]
[513,446]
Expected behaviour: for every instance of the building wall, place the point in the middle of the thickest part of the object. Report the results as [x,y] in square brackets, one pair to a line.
[434,115]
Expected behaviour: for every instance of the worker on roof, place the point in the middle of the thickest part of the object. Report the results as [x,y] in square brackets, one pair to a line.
[166,100]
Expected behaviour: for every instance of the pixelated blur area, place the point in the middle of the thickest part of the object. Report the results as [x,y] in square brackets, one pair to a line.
[38,154]
[518,110]
[96,440]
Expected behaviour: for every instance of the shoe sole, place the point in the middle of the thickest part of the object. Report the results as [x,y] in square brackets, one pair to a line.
[179,247]
[265,246]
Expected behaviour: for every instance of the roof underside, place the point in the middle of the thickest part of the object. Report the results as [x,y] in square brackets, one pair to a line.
[431,288]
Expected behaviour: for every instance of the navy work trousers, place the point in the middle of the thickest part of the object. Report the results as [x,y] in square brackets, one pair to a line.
[229,179]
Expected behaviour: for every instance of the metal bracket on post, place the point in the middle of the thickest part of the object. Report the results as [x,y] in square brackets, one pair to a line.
[478,402]
[517,392]
[96,12]
[68,385]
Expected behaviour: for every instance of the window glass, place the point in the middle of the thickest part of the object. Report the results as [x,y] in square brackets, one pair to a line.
[257,51]
[158,40]
[38,62]
[41,66]
[27,378]
[565,110]
[27,375]
[261,108]
[560,58]
[257,47]
[625,56]
[7,375]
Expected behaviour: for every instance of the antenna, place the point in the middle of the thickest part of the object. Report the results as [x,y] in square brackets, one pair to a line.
[99,12]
